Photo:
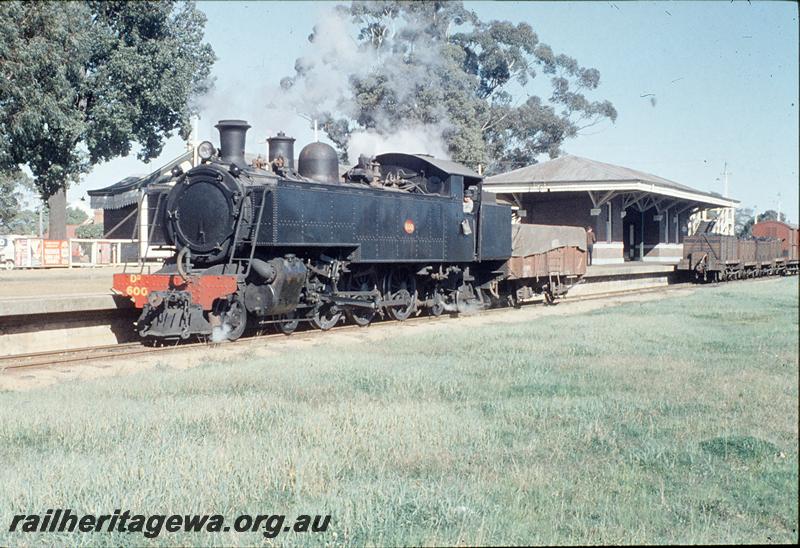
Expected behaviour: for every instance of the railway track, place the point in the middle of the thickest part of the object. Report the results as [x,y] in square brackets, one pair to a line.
[21,362]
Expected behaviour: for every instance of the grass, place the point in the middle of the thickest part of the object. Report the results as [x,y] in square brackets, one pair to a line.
[671,421]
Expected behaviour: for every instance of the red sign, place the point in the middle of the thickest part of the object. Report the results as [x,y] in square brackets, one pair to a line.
[28,252]
[204,289]
[409,226]
[55,253]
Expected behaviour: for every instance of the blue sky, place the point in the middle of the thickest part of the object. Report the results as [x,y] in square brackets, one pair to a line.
[724,76]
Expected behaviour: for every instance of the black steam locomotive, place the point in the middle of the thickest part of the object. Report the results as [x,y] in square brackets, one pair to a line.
[396,235]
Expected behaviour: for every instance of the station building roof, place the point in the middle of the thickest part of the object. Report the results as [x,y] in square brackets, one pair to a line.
[575,174]
[126,191]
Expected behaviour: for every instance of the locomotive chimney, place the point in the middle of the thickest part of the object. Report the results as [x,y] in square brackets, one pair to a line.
[281,145]
[232,140]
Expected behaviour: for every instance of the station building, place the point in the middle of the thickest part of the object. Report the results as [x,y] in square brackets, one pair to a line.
[636,216]
[127,213]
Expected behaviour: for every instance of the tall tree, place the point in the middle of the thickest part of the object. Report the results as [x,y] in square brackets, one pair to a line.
[436,65]
[743,221]
[771,215]
[80,82]
[76,216]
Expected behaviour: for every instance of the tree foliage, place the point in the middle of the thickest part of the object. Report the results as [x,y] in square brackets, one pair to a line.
[80,82]
[436,64]
[25,223]
[90,231]
[742,222]
[745,220]
[76,216]
[12,186]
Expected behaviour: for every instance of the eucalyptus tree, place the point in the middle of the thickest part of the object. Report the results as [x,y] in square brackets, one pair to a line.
[435,64]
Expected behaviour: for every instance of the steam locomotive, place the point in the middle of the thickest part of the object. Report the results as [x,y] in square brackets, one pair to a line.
[397,235]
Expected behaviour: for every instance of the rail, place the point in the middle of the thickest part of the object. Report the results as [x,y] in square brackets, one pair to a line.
[128,349]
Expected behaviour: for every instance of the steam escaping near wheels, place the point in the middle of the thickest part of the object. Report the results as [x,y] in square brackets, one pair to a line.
[220,333]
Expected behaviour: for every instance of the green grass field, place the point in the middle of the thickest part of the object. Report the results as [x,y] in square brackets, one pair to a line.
[657,422]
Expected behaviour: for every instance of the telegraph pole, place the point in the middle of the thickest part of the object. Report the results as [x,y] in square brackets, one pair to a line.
[727,213]
[725,179]
[191,145]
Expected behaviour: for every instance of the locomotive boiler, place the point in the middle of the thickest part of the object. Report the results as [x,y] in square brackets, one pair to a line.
[274,243]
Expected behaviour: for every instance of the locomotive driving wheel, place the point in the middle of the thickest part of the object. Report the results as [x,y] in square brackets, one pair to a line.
[365,280]
[325,316]
[232,317]
[288,323]
[400,288]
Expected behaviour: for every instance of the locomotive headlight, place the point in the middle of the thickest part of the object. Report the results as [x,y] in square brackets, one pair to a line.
[206,150]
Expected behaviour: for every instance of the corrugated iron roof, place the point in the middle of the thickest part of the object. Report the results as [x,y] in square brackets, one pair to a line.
[125,192]
[575,169]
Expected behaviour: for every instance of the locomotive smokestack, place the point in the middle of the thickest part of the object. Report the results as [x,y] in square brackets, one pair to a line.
[231,141]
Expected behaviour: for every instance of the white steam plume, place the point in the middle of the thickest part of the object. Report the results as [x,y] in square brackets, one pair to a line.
[322,83]
[411,140]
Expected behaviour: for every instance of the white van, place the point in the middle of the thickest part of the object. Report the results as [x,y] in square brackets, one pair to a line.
[7,252]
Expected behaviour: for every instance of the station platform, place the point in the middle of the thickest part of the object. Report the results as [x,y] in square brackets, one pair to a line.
[633,268]
[42,310]
[58,281]
[622,277]
[58,304]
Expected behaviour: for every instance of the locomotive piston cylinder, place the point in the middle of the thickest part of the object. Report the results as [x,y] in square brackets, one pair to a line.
[278,291]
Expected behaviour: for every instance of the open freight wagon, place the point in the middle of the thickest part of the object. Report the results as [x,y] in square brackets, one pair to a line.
[716,257]
[550,258]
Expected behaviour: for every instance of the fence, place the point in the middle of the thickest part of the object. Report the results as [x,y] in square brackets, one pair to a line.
[101,252]
[24,252]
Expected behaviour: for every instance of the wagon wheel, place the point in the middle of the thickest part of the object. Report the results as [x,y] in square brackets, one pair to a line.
[400,285]
[362,281]
[326,316]
[288,323]
[469,299]
[511,298]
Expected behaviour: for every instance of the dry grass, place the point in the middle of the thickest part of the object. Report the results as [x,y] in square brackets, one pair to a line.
[660,422]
